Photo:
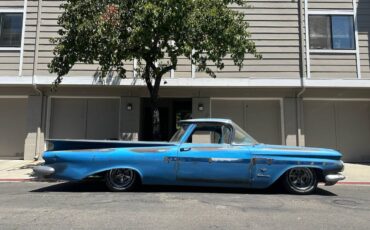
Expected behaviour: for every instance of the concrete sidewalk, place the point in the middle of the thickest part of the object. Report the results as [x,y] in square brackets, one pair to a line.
[356,174]
[19,170]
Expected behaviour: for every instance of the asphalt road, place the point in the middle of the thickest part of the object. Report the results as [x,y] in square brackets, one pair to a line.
[89,206]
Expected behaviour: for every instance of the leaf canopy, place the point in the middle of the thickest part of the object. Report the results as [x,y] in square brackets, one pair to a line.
[112,32]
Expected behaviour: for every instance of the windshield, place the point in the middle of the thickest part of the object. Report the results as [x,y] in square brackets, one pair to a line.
[179,133]
[241,137]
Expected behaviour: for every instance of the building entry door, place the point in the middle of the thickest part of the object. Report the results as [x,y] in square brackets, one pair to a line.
[171,110]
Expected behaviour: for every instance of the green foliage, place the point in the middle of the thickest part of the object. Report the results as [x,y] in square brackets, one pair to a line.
[111,32]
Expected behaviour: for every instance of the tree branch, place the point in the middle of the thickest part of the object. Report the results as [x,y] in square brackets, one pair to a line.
[166,69]
[146,76]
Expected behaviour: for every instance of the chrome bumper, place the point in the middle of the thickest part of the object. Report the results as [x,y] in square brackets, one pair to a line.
[332,179]
[43,171]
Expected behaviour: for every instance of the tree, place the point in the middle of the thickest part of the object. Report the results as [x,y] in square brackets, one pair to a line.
[112,32]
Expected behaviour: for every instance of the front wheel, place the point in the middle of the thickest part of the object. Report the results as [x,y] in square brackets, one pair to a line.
[121,180]
[300,181]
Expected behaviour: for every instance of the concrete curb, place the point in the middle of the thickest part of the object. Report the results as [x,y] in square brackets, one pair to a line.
[15,180]
[26,180]
[354,183]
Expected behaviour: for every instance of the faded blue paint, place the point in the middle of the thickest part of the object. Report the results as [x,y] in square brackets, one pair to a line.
[254,166]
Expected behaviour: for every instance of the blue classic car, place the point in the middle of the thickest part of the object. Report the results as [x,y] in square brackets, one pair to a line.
[203,152]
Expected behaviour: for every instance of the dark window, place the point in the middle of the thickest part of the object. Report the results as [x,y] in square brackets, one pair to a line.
[331,32]
[10,29]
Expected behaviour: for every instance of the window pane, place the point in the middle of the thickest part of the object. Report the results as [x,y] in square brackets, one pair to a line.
[210,134]
[343,32]
[319,29]
[10,29]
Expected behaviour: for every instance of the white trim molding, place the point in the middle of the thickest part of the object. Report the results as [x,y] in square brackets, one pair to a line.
[23,36]
[330,12]
[178,82]
[15,80]
[358,62]
[334,99]
[10,49]
[11,10]
[308,58]
[13,96]
[326,51]
[337,83]
[196,82]
[15,10]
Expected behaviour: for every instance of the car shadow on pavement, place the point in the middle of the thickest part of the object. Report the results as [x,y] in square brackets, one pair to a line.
[99,186]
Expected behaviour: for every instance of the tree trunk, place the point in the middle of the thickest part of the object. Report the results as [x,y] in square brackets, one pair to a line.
[153,91]
[156,125]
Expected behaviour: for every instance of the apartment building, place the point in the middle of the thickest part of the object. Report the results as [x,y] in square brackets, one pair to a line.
[312,87]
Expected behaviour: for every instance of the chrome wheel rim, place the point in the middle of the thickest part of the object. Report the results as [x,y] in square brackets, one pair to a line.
[301,178]
[121,178]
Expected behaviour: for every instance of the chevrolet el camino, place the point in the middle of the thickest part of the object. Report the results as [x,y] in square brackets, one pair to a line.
[203,152]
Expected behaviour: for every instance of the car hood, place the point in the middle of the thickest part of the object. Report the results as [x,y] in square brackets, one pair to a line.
[293,151]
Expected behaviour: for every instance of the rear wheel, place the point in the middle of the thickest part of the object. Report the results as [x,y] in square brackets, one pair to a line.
[121,180]
[300,180]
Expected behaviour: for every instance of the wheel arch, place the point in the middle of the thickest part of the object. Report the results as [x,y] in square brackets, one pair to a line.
[318,171]
[106,169]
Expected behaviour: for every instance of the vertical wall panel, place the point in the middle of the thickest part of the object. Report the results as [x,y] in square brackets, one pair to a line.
[260,118]
[102,119]
[13,123]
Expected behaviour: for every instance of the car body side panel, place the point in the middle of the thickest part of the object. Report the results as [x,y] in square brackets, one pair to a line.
[238,166]
[149,162]
[213,164]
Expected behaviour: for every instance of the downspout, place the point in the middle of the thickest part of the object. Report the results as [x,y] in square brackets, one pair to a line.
[34,83]
[302,70]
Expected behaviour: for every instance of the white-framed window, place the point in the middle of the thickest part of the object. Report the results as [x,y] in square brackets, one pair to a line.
[332,32]
[11,24]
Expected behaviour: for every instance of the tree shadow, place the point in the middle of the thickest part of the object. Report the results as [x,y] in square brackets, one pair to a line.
[96,186]
[110,79]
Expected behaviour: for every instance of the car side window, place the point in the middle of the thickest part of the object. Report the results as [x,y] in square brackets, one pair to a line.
[210,134]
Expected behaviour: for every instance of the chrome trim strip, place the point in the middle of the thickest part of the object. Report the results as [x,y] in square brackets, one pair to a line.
[44,170]
[331,179]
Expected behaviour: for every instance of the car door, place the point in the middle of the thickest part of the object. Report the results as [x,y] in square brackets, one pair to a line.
[207,157]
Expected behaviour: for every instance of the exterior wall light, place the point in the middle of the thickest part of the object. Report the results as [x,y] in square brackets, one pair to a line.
[129,107]
[200,107]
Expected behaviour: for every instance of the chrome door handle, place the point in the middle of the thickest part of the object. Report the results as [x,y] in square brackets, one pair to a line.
[185,149]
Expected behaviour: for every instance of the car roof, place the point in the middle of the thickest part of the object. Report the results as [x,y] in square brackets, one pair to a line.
[207,120]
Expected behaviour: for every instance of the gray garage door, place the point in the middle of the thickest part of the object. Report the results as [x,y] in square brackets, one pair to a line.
[341,125]
[84,118]
[260,118]
[13,118]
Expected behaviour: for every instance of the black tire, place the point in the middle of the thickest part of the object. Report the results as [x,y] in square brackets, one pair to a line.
[300,181]
[121,180]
